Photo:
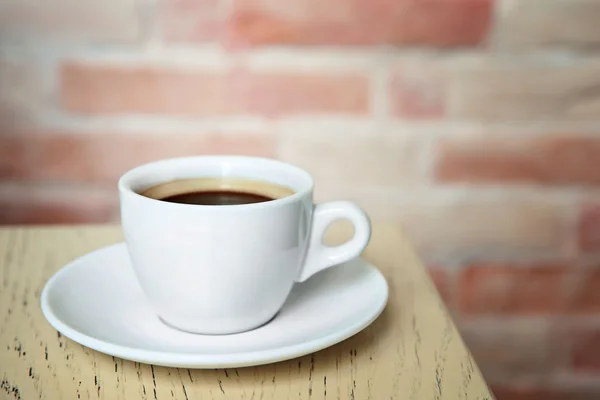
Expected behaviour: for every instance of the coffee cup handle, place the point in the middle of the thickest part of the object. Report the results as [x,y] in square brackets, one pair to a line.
[320,256]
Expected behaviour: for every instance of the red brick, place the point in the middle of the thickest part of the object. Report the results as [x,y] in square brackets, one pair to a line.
[506,349]
[508,393]
[589,228]
[193,20]
[586,351]
[527,24]
[513,289]
[472,227]
[440,278]
[56,204]
[364,160]
[69,21]
[106,89]
[360,22]
[549,160]
[506,88]
[104,157]
[585,292]
[21,86]
[418,91]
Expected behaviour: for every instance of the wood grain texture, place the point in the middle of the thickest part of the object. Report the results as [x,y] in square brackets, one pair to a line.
[413,350]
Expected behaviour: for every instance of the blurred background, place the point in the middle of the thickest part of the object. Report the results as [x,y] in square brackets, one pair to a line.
[472,123]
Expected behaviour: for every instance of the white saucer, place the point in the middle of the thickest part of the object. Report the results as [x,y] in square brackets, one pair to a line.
[96,301]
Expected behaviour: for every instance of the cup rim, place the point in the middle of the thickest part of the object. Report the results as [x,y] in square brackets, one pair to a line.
[125,182]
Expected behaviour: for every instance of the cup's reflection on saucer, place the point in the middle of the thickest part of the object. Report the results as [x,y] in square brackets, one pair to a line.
[234,333]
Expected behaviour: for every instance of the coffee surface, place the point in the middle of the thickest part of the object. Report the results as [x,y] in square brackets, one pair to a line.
[217,198]
[217,191]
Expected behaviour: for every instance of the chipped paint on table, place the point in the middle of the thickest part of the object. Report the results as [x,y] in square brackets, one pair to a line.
[412,351]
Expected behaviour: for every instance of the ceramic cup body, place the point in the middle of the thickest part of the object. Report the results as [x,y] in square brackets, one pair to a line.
[228,269]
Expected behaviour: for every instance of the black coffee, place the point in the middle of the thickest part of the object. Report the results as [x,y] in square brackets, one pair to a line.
[217,191]
[217,198]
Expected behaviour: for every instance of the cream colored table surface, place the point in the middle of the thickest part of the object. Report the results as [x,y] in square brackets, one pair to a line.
[412,351]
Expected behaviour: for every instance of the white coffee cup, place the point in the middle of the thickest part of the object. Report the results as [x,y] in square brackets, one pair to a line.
[229,268]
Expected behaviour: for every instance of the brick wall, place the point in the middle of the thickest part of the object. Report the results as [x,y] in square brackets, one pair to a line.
[474,123]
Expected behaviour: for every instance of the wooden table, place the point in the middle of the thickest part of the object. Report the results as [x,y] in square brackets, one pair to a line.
[412,351]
